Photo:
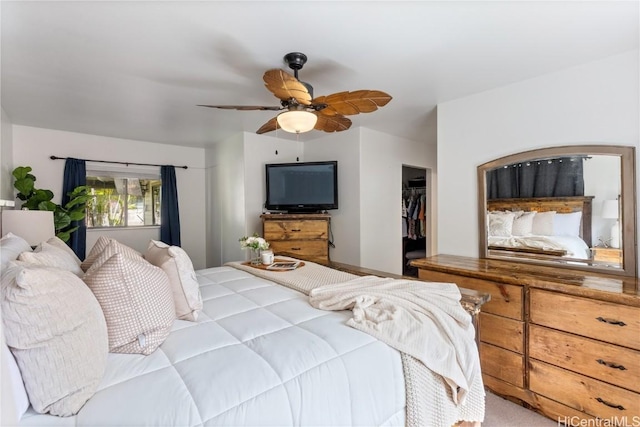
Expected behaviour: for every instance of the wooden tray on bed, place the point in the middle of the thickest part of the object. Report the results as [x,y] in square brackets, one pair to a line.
[264,266]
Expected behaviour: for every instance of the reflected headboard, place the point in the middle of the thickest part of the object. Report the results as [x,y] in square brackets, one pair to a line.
[545,204]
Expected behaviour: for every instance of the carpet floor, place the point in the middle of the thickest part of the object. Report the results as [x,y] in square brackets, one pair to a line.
[500,412]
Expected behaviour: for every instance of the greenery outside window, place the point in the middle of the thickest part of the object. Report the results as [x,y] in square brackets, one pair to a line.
[123,201]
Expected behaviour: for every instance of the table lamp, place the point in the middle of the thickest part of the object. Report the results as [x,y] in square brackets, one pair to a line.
[610,211]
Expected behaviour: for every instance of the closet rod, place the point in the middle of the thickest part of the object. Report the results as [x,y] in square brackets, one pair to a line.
[119,163]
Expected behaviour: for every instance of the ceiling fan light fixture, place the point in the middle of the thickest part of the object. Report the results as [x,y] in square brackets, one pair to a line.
[298,121]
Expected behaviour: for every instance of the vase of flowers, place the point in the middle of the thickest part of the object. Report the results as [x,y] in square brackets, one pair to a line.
[256,244]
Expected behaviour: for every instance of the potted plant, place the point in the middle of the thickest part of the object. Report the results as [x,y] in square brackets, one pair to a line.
[38,199]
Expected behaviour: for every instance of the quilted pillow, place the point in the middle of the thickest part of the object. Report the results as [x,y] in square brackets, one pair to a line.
[97,249]
[114,247]
[55,329]
[51,256]
[182,278]
[11,246]
[500,223]
[543,223]
[136,301]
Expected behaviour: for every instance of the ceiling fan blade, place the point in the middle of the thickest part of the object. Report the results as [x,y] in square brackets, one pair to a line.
[356,102]
[271,125]
[334,123]
[284,86]
[242,107]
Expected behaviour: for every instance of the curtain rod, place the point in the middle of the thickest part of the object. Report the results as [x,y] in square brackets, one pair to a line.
[119,163]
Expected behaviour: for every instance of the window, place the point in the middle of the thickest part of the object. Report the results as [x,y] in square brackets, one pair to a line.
[123,201]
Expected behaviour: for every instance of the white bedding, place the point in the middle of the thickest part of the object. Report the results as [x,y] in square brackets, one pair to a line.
[259,354]
[574,246]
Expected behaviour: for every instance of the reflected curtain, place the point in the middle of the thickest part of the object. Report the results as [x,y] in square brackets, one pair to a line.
[170,218]
[75,174]
[561,177]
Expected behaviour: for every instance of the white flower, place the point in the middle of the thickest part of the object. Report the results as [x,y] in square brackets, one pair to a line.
[254,242]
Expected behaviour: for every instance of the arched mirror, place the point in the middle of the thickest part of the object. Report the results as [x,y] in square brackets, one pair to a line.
[571,206]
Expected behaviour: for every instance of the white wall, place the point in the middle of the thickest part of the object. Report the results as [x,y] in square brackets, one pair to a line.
[6,157]
[596,103]
[33,146]
[382,157]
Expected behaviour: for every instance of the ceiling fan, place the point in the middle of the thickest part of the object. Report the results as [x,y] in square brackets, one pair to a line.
[300,111]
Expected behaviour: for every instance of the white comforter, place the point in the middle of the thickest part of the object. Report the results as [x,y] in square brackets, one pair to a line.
[574,246]
[258,355]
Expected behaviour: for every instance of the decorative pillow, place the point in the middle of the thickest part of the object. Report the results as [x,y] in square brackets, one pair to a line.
[51,256]
[500,223]
[567,224]
[58,243]
[56,331]
[182,278]
[523,224]
[11,246]
[136,301]
[97,249]
[114,247]
[543,223]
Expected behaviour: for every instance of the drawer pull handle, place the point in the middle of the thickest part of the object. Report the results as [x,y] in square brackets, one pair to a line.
[297,230]
[296,249]
[611,365]
[611,405]
[611,322]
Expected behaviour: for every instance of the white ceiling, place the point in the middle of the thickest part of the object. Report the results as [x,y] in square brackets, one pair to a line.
[136,70]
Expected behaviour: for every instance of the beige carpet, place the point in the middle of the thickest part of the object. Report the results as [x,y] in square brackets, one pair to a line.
[500,412]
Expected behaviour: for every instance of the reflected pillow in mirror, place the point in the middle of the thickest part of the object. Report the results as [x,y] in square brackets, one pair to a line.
[523,224]
[567,224]
[543,223]
[500,223]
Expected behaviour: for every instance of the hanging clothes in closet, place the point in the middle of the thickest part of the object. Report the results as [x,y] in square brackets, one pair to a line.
[413,213]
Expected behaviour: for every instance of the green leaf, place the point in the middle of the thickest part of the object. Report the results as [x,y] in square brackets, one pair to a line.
[47,206]
[24,185]
[77,215]
[63,235]
[61,220]
[21,172]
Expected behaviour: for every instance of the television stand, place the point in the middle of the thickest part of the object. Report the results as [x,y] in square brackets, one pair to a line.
[299,235]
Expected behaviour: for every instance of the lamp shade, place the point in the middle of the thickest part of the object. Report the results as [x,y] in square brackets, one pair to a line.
[32,226]
[297,121]
[610,209]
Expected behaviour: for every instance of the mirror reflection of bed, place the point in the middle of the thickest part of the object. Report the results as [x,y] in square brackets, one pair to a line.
[544,227]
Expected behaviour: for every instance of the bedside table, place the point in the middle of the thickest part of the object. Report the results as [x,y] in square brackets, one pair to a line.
[611,255]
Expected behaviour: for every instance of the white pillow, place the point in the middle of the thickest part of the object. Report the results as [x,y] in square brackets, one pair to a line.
[58,243]
[567,224]
[136,301]
[543,223]
[182,278]
[51,256]
[523,224]
[11,246]
[13,379]
[500,223]
[56,331]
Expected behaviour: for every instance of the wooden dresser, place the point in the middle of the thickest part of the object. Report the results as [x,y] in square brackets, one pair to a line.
[304,236]
[563,342]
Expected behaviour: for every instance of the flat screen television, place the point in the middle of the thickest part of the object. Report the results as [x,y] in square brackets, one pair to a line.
[302,186]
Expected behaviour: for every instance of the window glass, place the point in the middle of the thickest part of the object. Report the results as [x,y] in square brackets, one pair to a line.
[123,201]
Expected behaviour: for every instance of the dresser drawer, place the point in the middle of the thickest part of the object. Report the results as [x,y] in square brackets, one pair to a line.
[295,230]
[606,362]
[502,364]
[304,249]
[506,300]
[502,332]
[585,394]
[614,323]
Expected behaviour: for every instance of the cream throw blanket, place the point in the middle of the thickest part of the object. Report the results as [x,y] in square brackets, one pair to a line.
[430,397]
[424,320]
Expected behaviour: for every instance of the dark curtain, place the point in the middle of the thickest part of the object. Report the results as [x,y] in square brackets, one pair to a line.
[75,174]
[170,218]
[561,177]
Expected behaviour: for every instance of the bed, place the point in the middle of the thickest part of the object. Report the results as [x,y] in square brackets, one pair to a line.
[545,227]
[259,354]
